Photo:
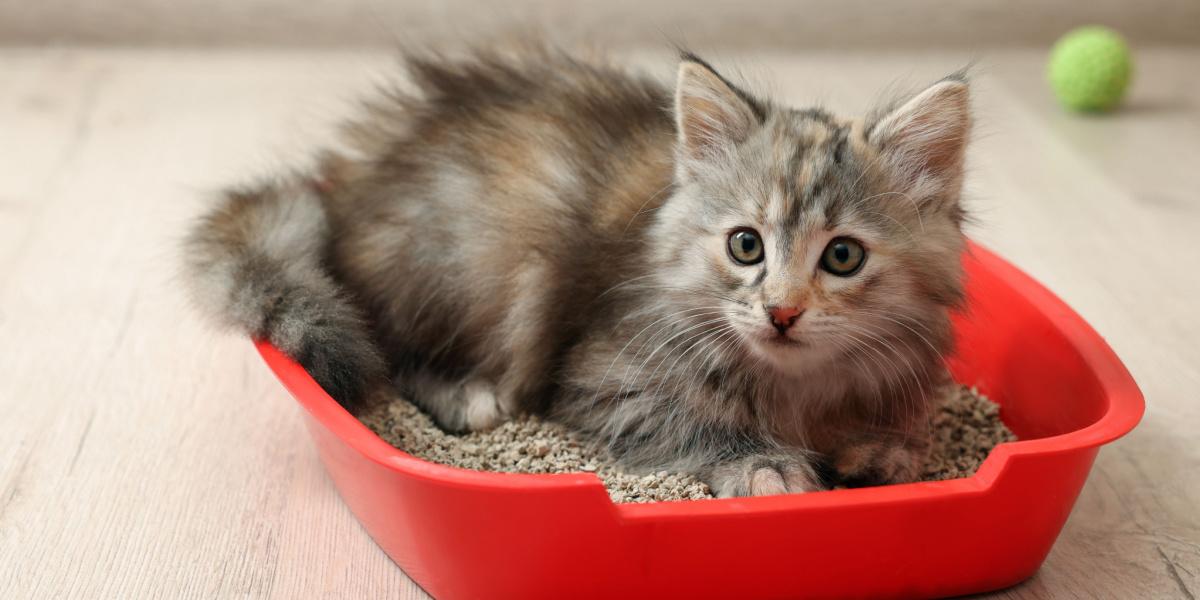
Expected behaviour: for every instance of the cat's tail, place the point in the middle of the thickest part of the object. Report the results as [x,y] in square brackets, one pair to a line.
[255,265]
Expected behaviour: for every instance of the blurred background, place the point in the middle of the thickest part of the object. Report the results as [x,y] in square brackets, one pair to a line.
[144,455]
[779,24]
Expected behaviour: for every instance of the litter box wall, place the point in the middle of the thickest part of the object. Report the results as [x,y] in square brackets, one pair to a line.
[571,542]
[466,534]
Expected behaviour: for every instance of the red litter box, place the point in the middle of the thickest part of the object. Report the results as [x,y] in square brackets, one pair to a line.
[468,534]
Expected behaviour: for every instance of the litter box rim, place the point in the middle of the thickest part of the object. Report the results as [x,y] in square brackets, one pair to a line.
[1125,406]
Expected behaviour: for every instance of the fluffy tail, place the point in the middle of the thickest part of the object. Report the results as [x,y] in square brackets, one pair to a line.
[255,265]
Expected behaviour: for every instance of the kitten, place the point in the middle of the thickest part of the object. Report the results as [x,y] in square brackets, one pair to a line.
[704,281]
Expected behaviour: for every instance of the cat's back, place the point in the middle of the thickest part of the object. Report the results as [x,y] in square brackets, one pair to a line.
[529,131]
[499,170]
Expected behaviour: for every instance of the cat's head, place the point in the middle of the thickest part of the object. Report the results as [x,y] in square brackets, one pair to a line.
[803,236]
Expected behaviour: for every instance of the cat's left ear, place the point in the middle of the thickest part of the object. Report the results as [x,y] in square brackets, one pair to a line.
[711,114]
[925,139]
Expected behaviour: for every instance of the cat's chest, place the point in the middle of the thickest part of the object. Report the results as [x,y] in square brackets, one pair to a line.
[808,411]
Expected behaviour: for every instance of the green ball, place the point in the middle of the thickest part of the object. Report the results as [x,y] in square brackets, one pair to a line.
[1090,69]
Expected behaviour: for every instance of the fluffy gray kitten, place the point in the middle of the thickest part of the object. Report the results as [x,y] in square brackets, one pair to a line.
[704,281]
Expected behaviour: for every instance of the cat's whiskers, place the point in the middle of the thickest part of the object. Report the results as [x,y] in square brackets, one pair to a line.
[893,319]
[700,291]
[621,352]
[641,208]
[915,205]
[876,351]
[710,343]
[622,284]
[910,401]
[668,401]
[828,331]
[627,379]
[852,352]
[673,337]
[909,350]
[717,348]
[892,219]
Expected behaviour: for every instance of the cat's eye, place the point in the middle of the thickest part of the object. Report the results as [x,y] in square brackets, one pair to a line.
[745,246]
[843,256]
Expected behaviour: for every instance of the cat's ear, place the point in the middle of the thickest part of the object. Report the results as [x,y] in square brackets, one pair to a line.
[710,113]
[924,139]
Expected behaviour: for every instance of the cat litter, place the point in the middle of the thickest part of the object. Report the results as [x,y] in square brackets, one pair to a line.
[966,427]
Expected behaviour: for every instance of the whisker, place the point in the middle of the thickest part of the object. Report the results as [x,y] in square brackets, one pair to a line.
[892,319]
[621,352]
[626,379]
[916,207]
[641,208]
[700,291]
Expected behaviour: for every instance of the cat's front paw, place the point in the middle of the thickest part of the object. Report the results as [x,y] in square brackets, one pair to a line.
[765,475]
[876,463]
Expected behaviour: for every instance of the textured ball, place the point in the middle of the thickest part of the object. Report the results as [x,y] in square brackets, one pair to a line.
[1090,69]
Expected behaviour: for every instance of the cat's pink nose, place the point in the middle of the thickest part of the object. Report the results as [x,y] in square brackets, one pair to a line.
[783,317]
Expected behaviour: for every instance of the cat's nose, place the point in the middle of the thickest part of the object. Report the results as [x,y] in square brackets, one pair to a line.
[783,317]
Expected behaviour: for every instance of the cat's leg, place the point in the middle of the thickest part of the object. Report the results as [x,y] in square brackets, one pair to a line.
[782,471]
[525,340]
[456,405]
[506,378]
[881,457]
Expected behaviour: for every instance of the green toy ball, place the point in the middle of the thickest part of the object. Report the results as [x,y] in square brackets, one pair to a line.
[1090,69]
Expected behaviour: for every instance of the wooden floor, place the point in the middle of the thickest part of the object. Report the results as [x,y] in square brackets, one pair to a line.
[143,456]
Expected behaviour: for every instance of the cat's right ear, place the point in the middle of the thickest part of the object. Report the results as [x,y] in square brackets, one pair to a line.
[710,113]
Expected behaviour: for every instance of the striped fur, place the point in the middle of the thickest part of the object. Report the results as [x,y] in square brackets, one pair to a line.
[531,231]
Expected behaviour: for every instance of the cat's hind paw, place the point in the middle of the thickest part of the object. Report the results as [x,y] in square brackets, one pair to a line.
[457,406]
[481,407]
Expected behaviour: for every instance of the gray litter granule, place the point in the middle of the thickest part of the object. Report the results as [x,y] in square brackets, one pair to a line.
[966,427]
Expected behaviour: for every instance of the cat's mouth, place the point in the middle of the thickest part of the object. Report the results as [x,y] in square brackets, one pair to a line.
[784,341]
